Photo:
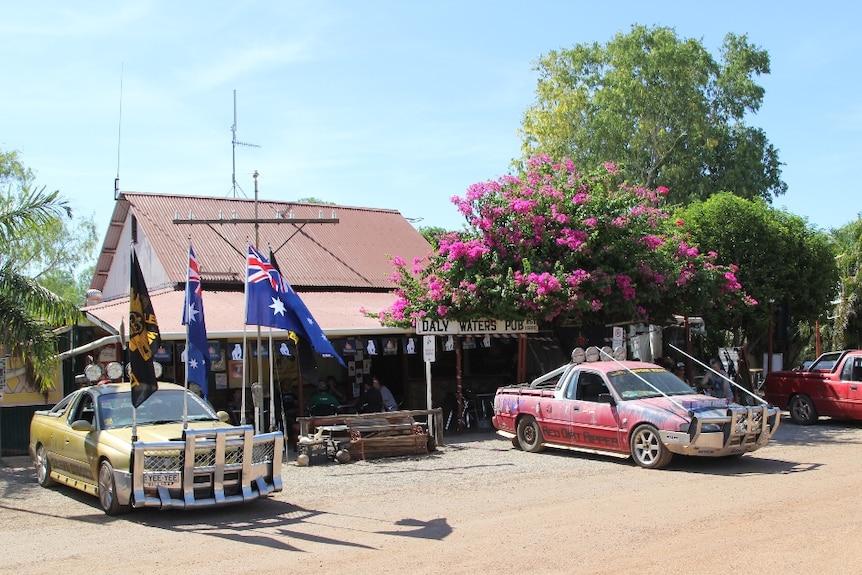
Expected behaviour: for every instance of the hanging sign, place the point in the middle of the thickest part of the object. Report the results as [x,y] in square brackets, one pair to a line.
[475,326]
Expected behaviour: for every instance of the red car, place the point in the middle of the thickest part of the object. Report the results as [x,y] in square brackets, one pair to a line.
[831,386]
[627,408]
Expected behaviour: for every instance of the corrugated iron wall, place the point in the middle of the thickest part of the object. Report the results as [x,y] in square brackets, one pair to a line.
[15,429]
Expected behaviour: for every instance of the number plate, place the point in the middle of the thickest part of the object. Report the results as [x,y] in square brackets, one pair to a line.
[156,479]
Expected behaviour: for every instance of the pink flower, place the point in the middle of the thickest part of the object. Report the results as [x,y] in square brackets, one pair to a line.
[652,242]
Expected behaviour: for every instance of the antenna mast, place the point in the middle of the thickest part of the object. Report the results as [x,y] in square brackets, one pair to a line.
[236,143]
[119,138]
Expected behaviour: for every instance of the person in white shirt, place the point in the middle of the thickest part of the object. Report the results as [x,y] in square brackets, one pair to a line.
[389,403]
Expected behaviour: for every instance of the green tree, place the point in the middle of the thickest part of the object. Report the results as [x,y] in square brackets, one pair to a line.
[559,246]
[662,108]
[787,265]
[313,200]
[28,311]
[60,254]
[432,234]
[57,257]
[845,326]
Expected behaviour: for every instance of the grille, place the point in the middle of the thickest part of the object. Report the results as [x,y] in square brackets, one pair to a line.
[263,452]
[170,460]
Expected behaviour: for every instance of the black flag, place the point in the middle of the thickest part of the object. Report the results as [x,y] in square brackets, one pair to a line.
[143,336]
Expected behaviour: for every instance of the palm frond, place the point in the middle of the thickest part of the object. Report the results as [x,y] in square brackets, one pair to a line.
[25,212]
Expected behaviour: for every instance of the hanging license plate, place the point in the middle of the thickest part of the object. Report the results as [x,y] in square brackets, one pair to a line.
[157,479]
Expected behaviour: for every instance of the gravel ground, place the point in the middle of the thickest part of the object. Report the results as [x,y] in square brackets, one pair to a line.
[479,506]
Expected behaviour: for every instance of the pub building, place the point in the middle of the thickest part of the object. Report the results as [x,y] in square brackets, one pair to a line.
[338,260]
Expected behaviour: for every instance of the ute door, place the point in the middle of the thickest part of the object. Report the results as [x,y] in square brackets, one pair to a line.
[554,411]
[593,420]
[851,387]
[72,451]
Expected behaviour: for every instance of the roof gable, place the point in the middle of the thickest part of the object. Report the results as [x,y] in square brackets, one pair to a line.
[353,253]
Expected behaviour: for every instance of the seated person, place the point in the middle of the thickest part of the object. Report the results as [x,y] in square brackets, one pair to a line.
[322,402]
[370,400]
[335,390]
[389,402]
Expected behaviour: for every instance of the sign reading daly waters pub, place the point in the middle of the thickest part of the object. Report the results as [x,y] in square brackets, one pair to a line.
[474,326]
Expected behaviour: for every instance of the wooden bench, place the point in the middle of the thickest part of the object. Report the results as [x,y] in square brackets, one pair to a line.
[433,417]
[386,435]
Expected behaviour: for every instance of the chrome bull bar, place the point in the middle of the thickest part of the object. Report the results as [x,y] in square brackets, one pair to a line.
[743,429]
[211,467]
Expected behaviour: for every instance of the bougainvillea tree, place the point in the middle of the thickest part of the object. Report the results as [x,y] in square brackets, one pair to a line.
[556,245]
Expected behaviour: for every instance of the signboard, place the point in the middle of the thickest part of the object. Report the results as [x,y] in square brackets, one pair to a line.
[474,326]
[617,337]
[429,347]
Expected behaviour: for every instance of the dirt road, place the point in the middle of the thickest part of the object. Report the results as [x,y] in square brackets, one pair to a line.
[479,506]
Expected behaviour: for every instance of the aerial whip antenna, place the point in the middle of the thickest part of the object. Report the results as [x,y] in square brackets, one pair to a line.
[119,134]
[236,143]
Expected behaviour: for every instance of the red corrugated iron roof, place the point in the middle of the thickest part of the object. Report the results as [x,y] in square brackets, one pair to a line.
[353,253]
[337,313]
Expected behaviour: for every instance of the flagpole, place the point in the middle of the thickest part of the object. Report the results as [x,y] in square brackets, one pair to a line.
[244,340]
[134,408]
[271,384]
[258,419]
[188,323]
[272,374]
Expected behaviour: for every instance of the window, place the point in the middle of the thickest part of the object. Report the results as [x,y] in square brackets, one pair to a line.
[590,386]
[85,409]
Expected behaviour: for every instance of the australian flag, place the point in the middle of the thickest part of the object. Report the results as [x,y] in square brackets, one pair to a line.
[197,350]
[270,301]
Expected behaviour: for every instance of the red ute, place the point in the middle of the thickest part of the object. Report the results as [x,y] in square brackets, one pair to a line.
[831,386]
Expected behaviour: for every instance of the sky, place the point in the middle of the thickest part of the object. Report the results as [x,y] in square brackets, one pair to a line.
[384,104]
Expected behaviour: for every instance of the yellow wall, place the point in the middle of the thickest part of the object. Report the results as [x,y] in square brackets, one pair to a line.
[19,391]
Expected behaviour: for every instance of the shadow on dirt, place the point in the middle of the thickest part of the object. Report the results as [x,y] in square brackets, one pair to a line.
[274,524]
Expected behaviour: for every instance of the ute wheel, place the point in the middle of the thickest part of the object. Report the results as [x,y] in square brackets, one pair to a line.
[802,410]
[529,435]
[108,491]
[647,449]
[43,467]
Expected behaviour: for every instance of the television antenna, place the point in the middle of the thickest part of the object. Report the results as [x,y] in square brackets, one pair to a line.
[236,143]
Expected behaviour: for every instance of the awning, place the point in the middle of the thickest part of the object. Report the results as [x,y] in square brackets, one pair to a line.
[339,313]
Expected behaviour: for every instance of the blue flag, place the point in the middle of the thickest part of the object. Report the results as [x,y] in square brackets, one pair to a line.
[197,351]
[270,301]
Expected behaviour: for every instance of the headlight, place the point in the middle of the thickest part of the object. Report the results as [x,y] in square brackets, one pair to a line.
[684,426]
[93,372]
[710,428]
[114,371]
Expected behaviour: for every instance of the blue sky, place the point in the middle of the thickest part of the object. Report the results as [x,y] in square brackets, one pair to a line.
[384,104]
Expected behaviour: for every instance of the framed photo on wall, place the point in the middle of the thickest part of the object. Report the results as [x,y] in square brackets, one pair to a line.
[235,373]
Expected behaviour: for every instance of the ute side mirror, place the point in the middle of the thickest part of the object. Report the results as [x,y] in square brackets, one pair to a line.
[82,425]
[607,398]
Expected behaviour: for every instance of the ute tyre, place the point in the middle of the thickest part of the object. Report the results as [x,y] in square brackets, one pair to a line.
[43,467]
[108,491]
[802,410]
[647,449]
[530,435]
